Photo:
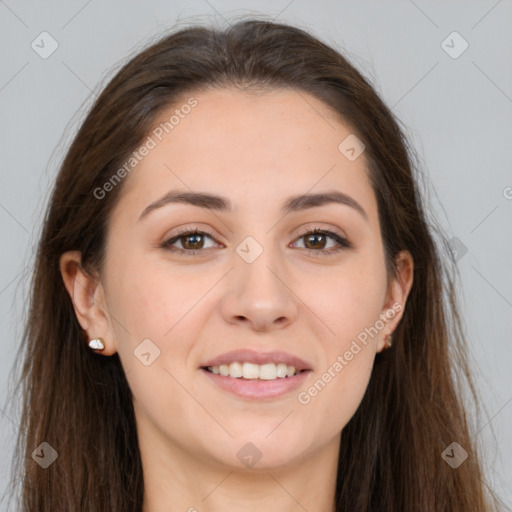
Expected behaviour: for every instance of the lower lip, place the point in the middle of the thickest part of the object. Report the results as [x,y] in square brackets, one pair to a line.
[258,389]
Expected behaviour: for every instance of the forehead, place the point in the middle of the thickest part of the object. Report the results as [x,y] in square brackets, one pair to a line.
[249,146]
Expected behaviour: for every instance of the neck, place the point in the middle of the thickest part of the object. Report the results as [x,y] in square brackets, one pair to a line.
[175,480]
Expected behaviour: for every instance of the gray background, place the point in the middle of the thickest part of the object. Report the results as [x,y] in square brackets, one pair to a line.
[457,112]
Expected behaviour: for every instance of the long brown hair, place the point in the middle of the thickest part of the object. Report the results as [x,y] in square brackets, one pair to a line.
[80,402]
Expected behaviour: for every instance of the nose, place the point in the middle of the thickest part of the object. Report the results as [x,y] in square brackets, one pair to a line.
[259,294]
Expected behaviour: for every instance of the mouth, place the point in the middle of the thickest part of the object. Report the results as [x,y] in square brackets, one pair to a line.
[256,375]
[254,372]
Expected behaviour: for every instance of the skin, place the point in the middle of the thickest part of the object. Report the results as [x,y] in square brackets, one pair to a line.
[257,150]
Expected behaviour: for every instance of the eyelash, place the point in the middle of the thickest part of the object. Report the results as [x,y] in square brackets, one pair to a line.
[343,243]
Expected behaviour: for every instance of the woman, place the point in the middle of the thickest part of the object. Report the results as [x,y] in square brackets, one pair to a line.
[237,302]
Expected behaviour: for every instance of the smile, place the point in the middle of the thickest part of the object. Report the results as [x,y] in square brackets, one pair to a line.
[251,371]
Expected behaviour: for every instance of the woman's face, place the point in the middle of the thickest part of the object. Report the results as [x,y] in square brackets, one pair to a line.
[250,283]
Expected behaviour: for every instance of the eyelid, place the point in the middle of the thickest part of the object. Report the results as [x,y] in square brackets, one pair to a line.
[339,238]
[182,233]
[316,227]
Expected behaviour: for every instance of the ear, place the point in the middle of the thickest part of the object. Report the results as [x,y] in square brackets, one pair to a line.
[396,297]
[87,295]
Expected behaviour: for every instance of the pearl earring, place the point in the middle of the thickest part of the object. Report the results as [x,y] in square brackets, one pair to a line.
[97,344]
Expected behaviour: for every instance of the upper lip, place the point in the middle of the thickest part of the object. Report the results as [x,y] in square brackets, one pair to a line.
[252,356]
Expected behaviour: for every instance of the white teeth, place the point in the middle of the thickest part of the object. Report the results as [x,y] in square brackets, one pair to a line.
[282,370]
[236,370]
[250,371]
[268,371]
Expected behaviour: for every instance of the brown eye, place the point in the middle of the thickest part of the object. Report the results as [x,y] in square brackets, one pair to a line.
[192,241]
[318,240]
[315,241]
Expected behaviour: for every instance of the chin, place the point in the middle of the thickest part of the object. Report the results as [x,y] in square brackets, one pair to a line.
[254,452]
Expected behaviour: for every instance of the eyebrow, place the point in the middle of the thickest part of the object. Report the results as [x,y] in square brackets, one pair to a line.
[223,204]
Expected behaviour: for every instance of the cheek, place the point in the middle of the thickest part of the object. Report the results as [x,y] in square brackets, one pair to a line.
[150,307]
[350,308]
[163,312]
[349,302]
[157,310]
[329,401]
[152,300]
